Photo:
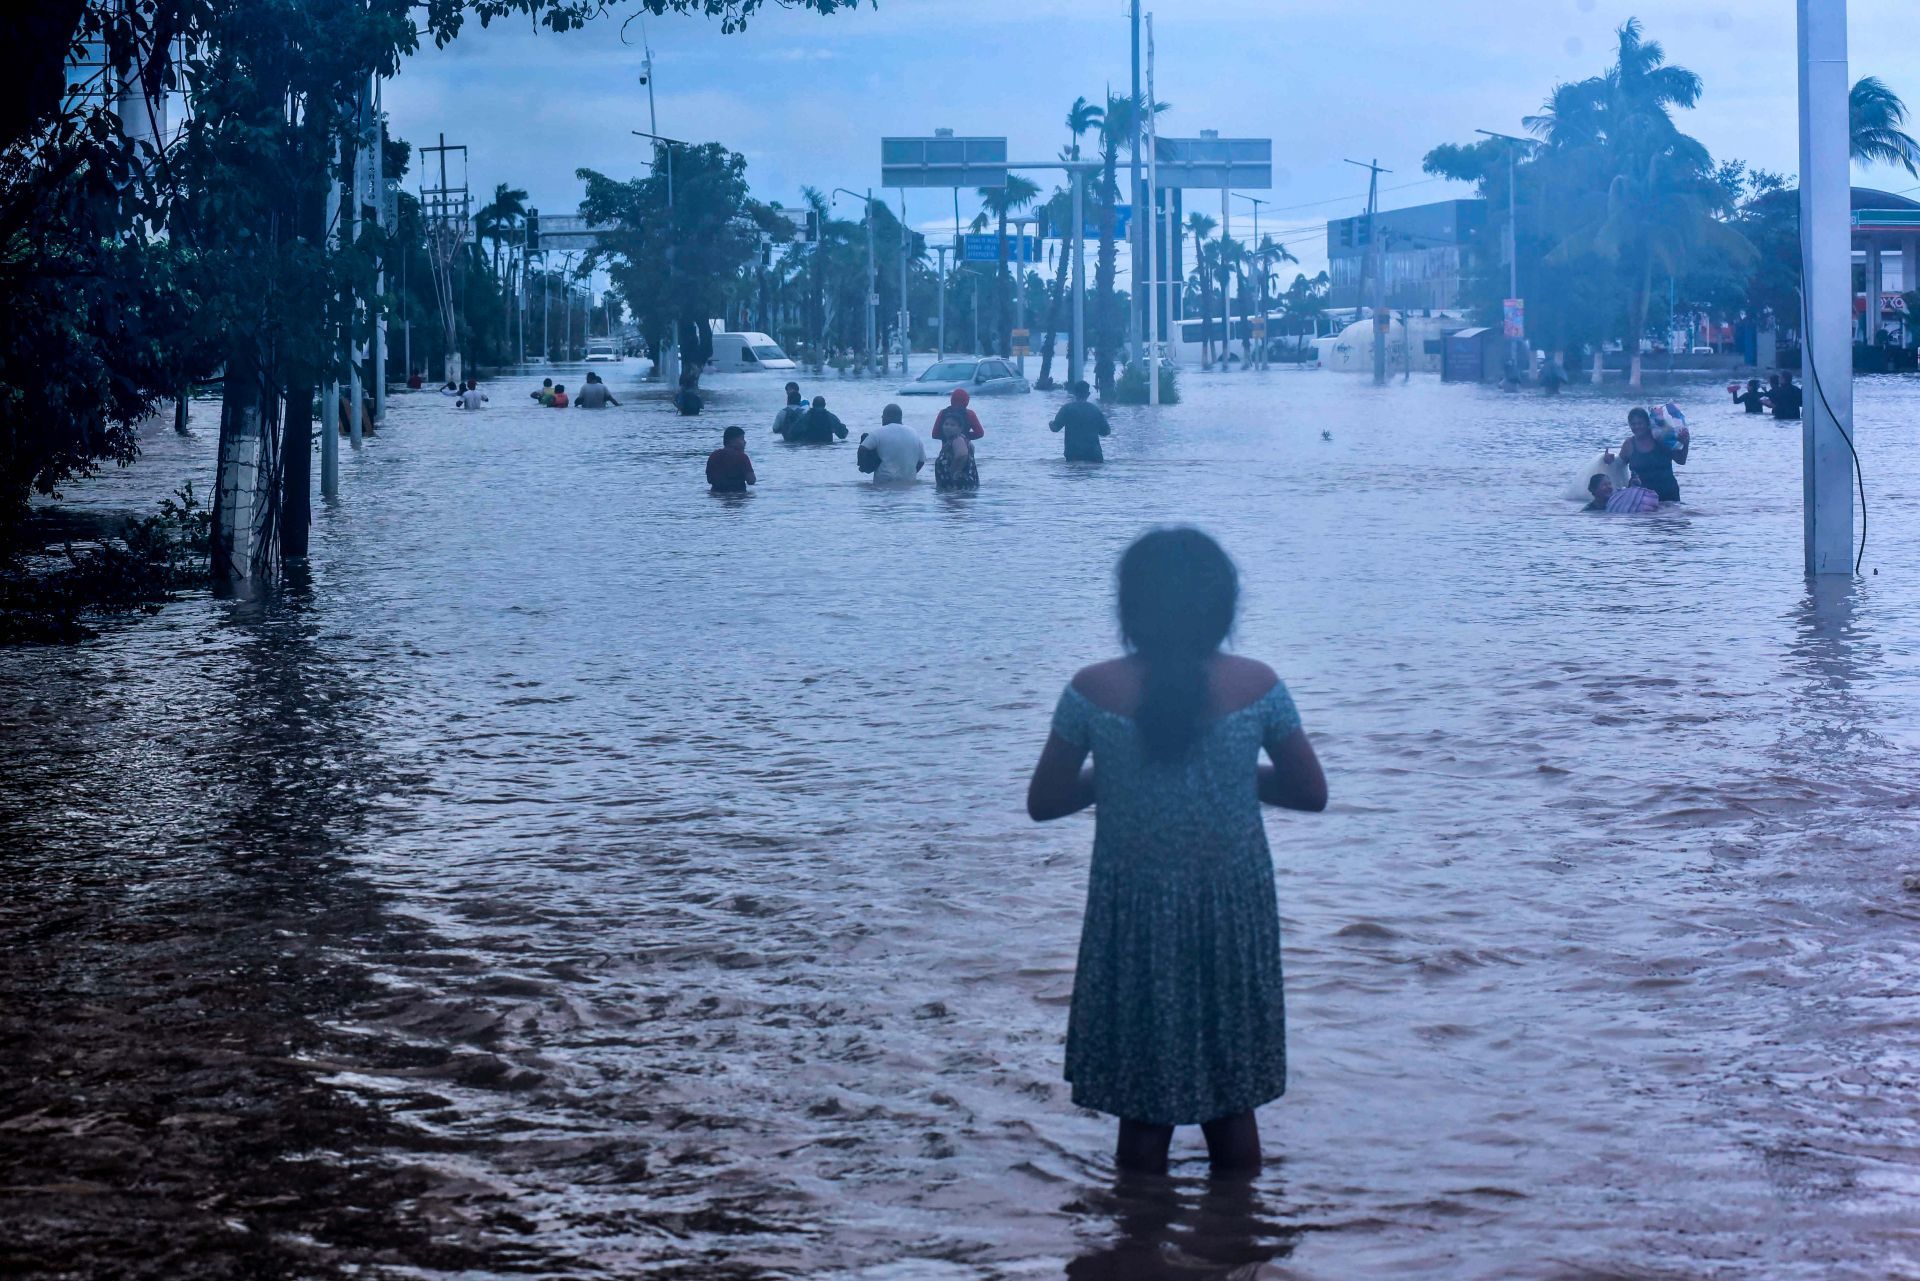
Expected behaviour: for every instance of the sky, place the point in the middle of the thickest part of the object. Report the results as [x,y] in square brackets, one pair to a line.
[806,98]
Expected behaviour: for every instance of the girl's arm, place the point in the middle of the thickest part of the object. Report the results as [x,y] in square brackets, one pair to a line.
[1059,786]
[974,430]
[1295,780]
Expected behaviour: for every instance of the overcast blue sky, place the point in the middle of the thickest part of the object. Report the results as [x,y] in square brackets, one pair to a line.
[806,98]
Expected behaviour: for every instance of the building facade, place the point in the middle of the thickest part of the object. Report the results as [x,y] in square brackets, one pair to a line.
[1428,254]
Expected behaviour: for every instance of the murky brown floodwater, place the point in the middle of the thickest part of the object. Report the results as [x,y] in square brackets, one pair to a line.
[580,875]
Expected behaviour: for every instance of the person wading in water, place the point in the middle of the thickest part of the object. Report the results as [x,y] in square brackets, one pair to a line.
[956,428]
[1177,1016]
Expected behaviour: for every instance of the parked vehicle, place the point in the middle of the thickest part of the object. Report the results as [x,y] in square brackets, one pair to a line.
[986,376]
[746,353]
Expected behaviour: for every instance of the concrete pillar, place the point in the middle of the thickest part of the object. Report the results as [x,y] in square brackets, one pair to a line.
[1909,280]
[1826,252]
[242,543]
[1876,300]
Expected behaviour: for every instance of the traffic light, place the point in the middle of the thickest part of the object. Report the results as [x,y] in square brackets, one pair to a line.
[1364,234]
[533,229]
[918,247]
[1346,233]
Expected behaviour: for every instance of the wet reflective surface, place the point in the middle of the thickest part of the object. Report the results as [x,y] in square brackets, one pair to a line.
[583,875]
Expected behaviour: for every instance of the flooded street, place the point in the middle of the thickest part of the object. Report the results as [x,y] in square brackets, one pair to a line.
[581,875]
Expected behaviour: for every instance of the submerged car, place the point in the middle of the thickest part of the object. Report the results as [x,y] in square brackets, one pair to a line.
[987,376]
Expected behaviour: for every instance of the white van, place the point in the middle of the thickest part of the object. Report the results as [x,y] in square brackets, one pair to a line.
[746,353]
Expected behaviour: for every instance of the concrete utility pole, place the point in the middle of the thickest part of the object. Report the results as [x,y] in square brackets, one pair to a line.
[380,280]
[1826,255]
[906,246]
[1078,348]
[1152,291]
[355,354]
[330,392]
[1381,321]
[1136,326]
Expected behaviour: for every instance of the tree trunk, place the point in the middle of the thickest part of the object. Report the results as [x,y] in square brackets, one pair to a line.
[1599,365]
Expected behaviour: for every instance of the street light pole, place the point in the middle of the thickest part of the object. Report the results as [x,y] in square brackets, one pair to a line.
[873,278]
[1256,202]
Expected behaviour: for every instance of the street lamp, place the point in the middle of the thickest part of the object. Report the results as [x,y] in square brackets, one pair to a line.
[670,144]
[1513,236]
[873,290]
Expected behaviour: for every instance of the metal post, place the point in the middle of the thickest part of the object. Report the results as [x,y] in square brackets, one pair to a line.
[330,393]
[1826,252]
[380,281]
[906,243]
[1226,304]
[354,354]
[873,295]
[1151,293]
[1135,327]
[940,343]
[1020,288]
[1078,347]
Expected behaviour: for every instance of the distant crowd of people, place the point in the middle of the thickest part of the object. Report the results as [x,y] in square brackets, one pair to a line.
[894,453]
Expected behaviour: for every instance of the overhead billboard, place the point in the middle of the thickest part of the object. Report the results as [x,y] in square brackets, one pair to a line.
[943,162]
[1244,164]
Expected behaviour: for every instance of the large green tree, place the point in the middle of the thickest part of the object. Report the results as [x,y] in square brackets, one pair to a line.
[675,257]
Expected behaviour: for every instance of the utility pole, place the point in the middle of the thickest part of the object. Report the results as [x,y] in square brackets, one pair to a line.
[447,209]
[1152,292]
[906,246]
[355,354]
[1826,257]
[940,343]
[1514,352]
[1381,321]
[380,280]
[1135,326]
[330,391]
[1079,345]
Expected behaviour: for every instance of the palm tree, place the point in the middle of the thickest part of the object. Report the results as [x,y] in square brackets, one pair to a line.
[1000,203]
[1199,226]
[1875,114]
[1081,117]
[1661,197]
[501,215]
[1267,255]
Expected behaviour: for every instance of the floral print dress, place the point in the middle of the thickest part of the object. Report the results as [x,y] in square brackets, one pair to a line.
[1177,1014]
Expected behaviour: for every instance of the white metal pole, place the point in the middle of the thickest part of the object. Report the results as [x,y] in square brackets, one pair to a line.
[906,243]
[1151,293]
[330,392]
[940,343]
[1078,348]
[354,350]
[1826,250]
[380,281]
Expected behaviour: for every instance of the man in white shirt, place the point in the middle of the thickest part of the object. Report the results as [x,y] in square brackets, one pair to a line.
[895,447]
[472,397]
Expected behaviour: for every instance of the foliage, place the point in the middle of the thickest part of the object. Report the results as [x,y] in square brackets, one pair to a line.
[156,558]
[1874,116]
[673,259]
[1131,388]
[1612,194]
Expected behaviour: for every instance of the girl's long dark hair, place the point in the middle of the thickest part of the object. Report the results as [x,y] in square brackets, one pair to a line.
[1178,592]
